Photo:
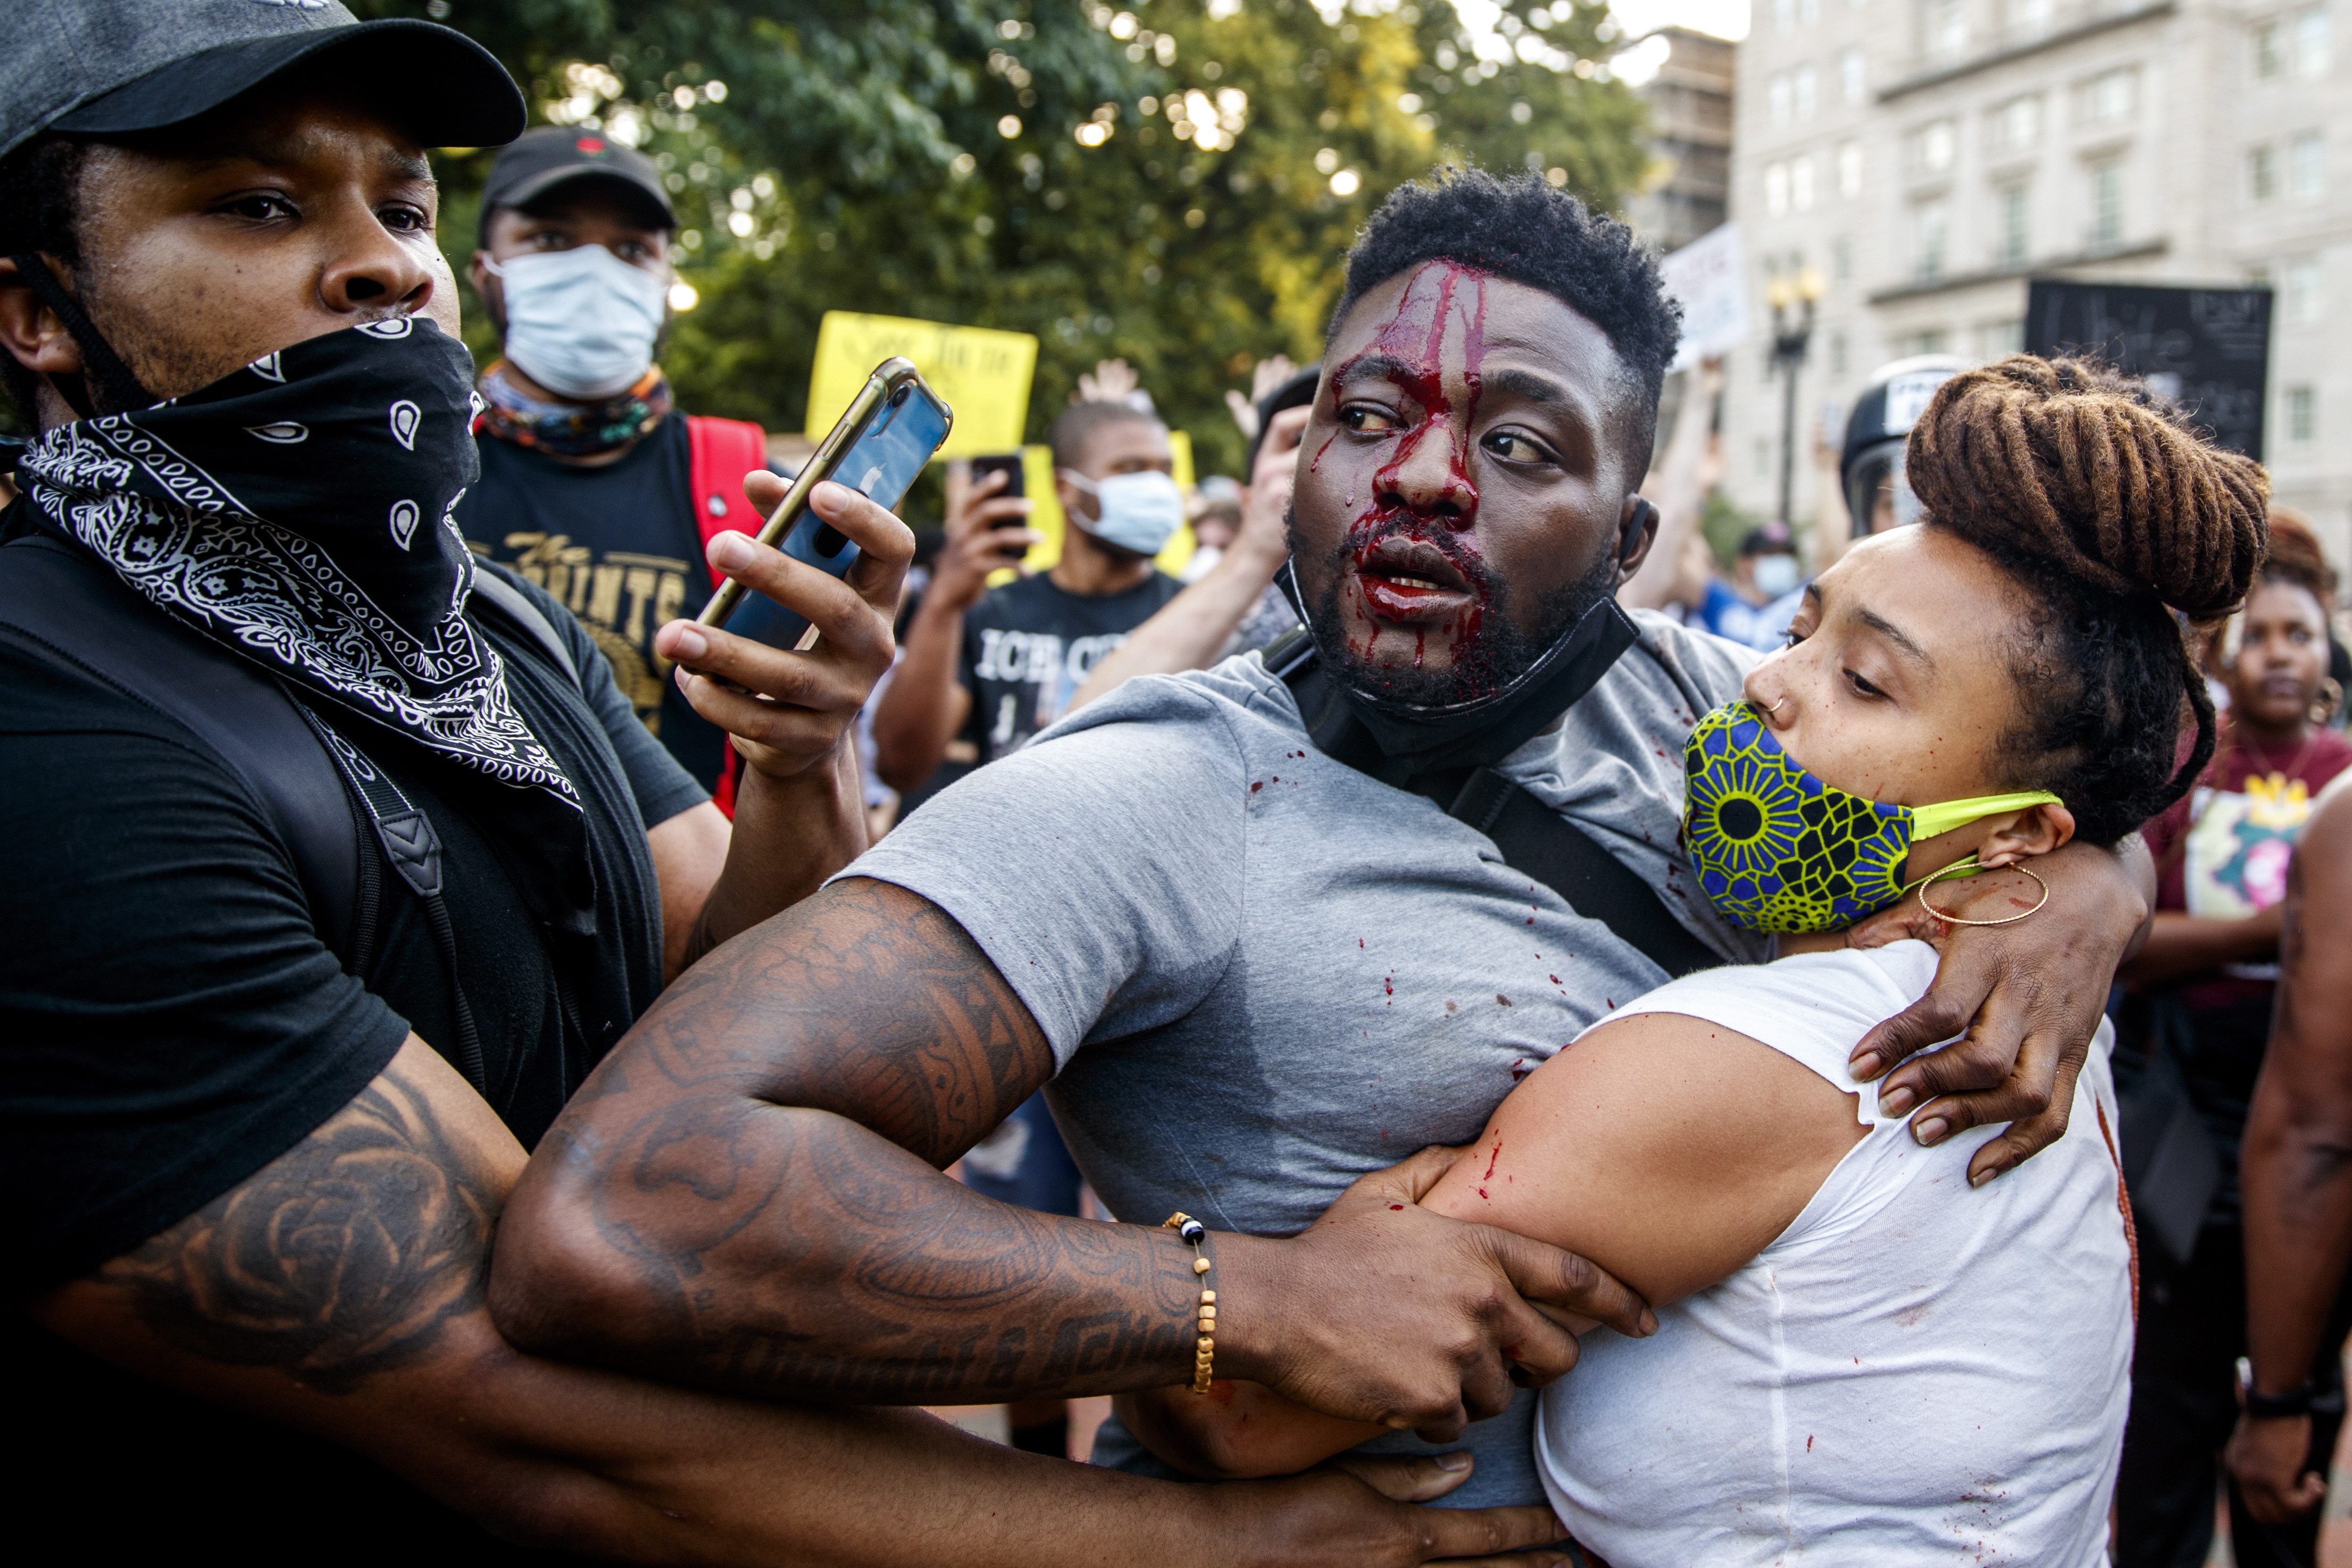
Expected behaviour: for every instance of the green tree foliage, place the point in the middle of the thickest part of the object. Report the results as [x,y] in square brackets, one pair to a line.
[1174,183]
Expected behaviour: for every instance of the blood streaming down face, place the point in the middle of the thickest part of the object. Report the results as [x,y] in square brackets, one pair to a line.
[1406,592]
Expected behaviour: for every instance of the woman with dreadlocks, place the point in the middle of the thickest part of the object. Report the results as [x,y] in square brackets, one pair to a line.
[1861,1359]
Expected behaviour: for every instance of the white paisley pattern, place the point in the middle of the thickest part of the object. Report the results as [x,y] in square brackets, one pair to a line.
[200,556]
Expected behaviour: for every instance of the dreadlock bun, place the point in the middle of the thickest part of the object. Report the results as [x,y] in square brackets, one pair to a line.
[2070,462]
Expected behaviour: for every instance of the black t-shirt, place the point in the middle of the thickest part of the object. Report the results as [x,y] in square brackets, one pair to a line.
[171,1022]
[1030,645]
[619,545]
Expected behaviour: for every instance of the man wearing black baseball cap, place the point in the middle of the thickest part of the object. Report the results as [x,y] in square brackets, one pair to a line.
[592,485]
[295,787]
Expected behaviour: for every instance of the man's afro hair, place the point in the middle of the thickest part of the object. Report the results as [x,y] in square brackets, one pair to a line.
[1523,229]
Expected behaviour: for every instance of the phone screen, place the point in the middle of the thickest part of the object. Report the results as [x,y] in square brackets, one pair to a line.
[882,464]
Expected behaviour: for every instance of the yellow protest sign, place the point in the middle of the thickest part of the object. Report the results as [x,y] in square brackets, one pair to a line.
[982,375]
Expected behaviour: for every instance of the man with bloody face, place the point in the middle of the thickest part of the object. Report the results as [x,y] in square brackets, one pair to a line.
[1228,920]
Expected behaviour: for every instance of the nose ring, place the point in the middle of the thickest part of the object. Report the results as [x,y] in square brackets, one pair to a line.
[1776,708]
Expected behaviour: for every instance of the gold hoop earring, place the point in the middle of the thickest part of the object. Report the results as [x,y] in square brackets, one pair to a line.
[1969,866]
[2325,704]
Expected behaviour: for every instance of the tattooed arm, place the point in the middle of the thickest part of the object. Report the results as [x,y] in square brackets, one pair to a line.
[340,1290]
[747,1194]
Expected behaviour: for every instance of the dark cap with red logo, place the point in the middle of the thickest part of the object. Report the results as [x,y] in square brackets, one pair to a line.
[539,161]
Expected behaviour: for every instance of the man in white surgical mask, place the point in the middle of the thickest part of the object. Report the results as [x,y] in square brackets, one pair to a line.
[593,484]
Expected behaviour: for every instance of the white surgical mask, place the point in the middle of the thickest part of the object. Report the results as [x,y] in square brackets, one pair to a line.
[1139,511]
[1777,574]
[582,322]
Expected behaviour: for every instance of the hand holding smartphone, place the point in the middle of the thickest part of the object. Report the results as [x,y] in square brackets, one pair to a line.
[987,527]
[891,429]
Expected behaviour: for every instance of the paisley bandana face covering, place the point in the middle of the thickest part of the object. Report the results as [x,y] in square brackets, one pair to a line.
[1777,849]
[297,511]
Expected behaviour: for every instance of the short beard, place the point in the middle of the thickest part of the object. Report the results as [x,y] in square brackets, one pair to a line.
[1499,653]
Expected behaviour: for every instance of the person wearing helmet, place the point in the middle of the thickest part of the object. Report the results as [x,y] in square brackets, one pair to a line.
[1870,465]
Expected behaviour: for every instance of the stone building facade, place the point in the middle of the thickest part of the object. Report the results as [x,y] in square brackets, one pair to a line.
[1928,156]
[1690,138]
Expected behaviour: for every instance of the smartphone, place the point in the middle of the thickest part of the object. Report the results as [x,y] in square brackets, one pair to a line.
[1009,466]
[893,426]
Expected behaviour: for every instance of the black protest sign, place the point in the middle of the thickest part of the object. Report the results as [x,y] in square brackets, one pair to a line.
[2207,349]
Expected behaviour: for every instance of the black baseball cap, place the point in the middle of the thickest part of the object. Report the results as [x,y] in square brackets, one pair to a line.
[116,68]
[548,156]
[1767,539]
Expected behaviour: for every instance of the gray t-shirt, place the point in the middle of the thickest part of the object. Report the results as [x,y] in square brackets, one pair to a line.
[1265,973]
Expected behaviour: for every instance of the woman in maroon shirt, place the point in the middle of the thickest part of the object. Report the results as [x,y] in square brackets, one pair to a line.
[2204,983]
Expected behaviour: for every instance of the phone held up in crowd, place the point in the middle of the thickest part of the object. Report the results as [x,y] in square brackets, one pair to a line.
[893,426]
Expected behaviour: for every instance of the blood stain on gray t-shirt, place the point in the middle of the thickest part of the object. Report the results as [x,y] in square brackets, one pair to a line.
[1264,974]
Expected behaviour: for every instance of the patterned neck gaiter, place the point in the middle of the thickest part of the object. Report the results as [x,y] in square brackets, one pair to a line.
[297,511]
[572,429]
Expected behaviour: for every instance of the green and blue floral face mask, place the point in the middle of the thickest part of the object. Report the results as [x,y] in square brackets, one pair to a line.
[1778,850]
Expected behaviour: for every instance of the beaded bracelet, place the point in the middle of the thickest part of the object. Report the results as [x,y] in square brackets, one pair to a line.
[1204,1350]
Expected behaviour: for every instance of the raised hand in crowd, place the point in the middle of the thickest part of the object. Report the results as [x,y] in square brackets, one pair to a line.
[1685,476]
[1111,380]
[1265,376]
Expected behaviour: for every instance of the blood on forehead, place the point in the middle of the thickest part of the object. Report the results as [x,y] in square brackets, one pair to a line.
[1440,296]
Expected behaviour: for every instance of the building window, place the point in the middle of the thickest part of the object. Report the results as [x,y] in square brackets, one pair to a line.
[2107,97]
[2107,203]
[1808,12]
[1800,91]
[2310,42]
[1837,353]
[1776,96]
[1800,184]
[2258,275]
[1852,85]
[1841,260]
[2028,18]
[1996,338]
[1849,165]
[2267,50]
[2017,124]
[2306,166]
[1776,189]
[2304,305]
[1934,341]
[1933,147]
[2013,213]
[2302,414]
[1931,228]
[1947,27]
[2261,172]
[1784,16]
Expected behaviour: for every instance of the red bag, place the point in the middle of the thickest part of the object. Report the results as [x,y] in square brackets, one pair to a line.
[722,452]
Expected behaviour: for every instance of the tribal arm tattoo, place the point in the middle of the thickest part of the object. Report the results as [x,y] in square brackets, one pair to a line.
[748,1193]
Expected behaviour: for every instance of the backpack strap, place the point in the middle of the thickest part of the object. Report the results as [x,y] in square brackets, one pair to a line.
[1536,841]
[492,586]
[83,614]
[719,453]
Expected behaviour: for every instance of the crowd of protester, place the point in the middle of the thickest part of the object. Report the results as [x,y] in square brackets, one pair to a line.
[493,1068]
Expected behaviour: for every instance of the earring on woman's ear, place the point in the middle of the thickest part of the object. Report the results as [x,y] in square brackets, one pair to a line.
[1969,867]
[2327,701]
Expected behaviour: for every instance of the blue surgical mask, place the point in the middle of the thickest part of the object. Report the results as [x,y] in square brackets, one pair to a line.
[1777,574]
[582,322]
[1139,511]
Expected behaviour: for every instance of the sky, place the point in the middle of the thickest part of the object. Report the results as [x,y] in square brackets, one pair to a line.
[1725,18]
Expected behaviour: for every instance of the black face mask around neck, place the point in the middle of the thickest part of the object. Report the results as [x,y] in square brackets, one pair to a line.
[1430,745]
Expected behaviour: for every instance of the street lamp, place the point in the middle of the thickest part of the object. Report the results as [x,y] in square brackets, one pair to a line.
[1795,293]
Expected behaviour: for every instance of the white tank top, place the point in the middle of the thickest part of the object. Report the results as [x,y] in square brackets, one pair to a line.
[1914,1372]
